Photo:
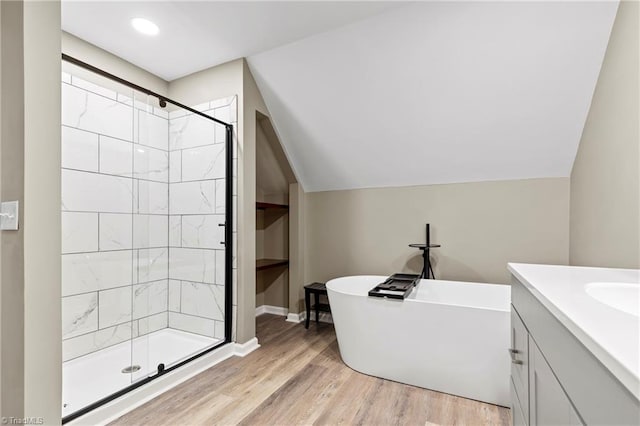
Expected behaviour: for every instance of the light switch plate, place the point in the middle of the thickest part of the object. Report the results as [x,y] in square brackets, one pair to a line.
[9,216]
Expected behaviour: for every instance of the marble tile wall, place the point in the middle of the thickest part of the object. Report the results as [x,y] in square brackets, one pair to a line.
[196,216]
[115,204]
[143,196]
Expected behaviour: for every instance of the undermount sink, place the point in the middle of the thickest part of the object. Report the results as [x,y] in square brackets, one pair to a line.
[624,297]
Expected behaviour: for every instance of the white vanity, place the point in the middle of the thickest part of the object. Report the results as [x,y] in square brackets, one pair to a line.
[575,345]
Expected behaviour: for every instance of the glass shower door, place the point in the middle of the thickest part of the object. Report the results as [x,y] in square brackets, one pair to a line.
[97,257]
[179,235]
[145,256]
[150,235]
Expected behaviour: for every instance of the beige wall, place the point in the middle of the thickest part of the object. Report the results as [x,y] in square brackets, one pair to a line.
[213,83]
[481,227]
[271,181]
[31,336]
[253,103]
[1,127]
[297,247]
[42,279]
[87,52]
[605,181]
[12,188]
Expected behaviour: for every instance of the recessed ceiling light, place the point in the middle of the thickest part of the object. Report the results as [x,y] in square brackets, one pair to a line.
[145,26]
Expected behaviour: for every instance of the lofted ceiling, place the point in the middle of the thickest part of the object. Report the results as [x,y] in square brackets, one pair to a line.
[389,94]
[195,35]
[438,92]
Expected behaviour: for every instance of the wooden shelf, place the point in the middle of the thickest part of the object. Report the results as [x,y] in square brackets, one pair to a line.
[262,264]
[268,206]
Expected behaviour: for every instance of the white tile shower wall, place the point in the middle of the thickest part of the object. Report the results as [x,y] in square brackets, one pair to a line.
[79,149]
[115,174]
[152,265]
[152,323]
[203,231]
[192,197]
[196,221]
[91,272]
[153,197]
[77,346]
[203,300]
[114,306]
[143,198]
[93,192]
[150,231]
[150,163]
[79,314]
[115,231]
[86,110]
[80,232]
[153,131]
[197,265]
[150,298]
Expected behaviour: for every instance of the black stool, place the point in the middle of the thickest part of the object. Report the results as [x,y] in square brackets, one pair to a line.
[317,289]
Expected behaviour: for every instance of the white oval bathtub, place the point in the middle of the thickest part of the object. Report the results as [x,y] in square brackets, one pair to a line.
[446,336]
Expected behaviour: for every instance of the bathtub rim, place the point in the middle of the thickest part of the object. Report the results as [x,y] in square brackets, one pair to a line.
[411,299]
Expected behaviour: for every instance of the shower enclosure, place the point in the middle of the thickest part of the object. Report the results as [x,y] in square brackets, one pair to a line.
[146,234]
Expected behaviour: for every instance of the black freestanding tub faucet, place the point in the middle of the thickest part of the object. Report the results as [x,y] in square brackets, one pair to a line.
[427,270]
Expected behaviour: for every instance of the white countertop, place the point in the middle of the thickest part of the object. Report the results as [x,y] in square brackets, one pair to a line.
[611,335]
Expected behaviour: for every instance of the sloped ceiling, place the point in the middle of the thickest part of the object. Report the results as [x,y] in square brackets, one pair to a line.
[438,92]
[372,94]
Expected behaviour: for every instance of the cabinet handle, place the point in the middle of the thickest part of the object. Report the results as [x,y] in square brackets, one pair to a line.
[513,353]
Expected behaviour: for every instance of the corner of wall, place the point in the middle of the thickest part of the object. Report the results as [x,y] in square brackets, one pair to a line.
[93,55]
[605,179]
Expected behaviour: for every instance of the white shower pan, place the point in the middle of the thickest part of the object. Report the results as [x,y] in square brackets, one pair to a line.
[97,375]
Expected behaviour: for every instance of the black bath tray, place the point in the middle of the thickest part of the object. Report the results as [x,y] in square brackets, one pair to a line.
[397,286]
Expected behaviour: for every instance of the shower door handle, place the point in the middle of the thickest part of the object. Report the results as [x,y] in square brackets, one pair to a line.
[223,225]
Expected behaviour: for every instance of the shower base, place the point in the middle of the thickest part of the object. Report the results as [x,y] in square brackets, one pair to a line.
[94,376]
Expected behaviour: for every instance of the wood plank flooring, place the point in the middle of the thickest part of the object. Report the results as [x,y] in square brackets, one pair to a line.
[298,378]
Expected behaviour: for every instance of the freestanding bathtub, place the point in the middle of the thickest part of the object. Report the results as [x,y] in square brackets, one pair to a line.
[446,336]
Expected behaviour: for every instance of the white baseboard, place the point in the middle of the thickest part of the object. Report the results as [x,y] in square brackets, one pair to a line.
[244,349]
[137,397]
[269,309]
[298,318]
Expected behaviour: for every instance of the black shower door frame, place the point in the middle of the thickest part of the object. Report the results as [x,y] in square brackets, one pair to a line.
[228,235]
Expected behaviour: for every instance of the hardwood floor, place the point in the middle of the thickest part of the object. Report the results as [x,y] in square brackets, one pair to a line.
[297,377]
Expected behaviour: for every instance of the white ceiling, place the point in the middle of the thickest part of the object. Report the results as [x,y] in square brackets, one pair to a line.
[438,93]
[195,35]
[382,94]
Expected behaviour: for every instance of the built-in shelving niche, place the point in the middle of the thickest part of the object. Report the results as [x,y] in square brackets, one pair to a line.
[273,178]
[271,206]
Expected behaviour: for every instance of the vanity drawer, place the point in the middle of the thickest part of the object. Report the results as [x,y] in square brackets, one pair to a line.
[520,361]
[549,404]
